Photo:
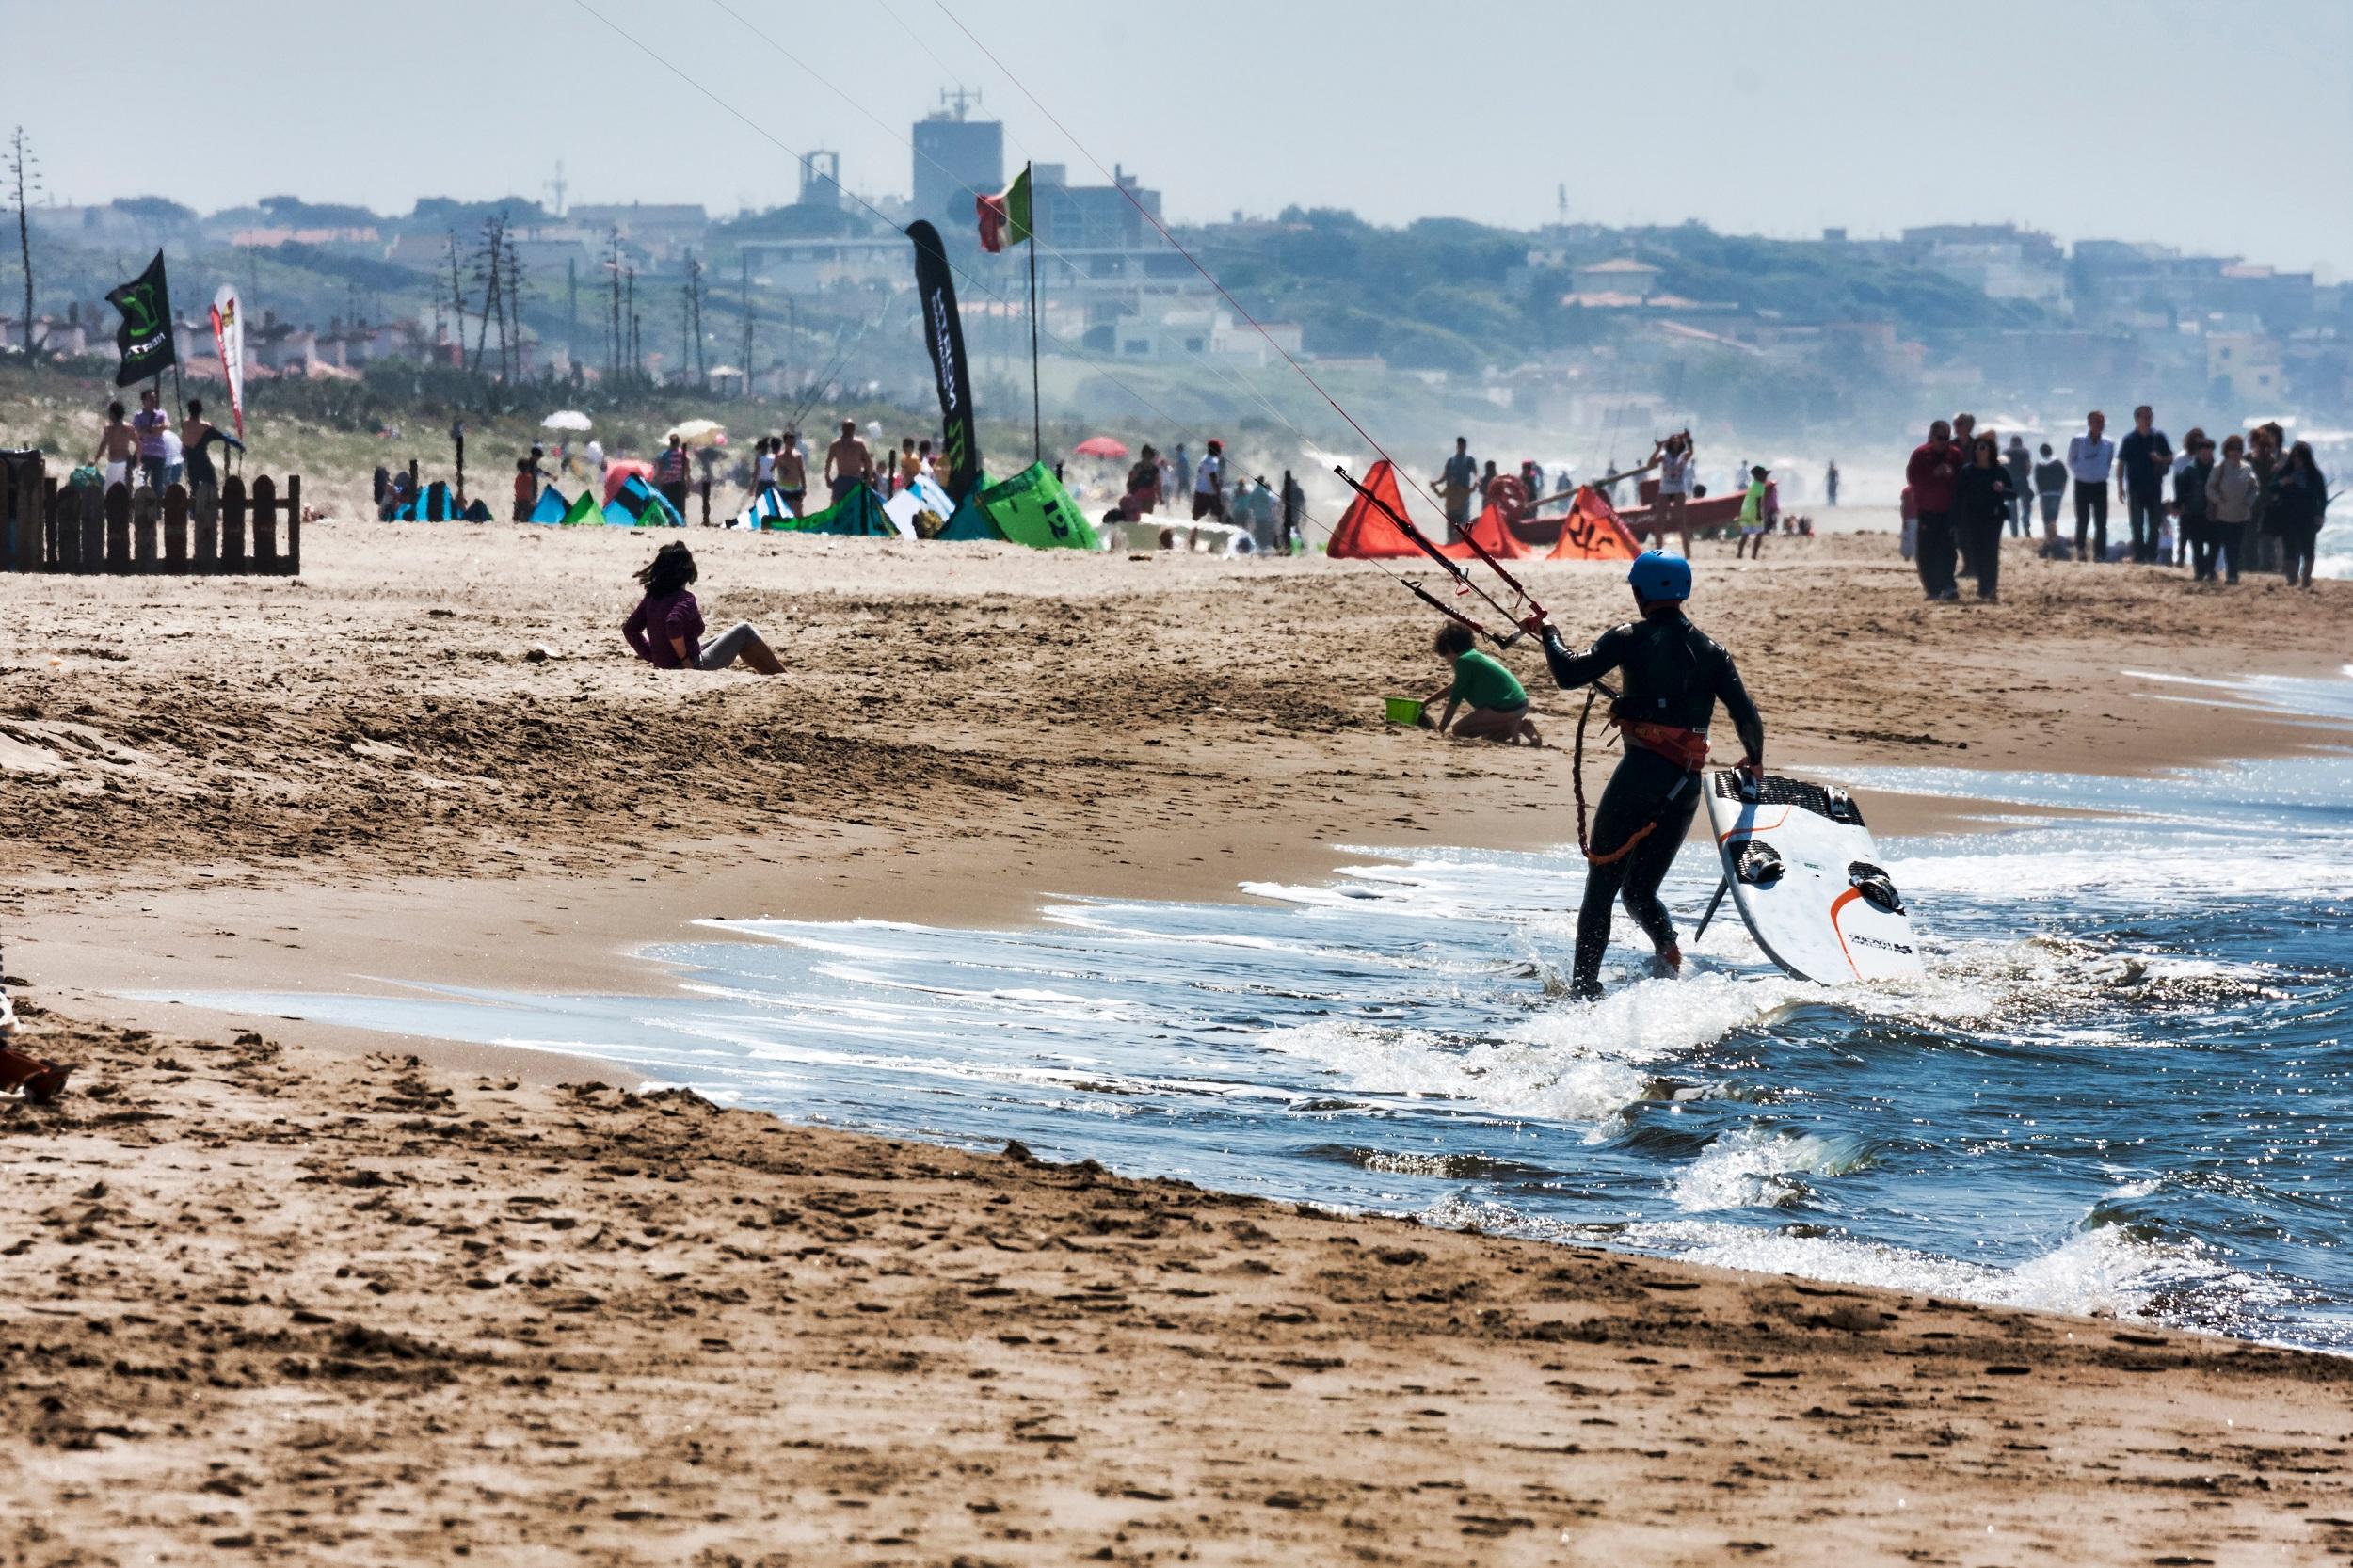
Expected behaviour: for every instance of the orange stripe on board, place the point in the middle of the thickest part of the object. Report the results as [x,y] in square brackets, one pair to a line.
[1836,905]
[1755,828]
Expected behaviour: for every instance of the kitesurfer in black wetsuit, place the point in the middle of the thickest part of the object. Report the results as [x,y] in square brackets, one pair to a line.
[1672,676]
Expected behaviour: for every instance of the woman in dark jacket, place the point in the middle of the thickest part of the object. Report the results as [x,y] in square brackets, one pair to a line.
[2297,498]
[1982,499]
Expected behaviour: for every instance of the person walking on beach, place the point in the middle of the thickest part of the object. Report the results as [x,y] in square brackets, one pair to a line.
[791,471]
[848,463]
[2298,501]
[1208,485]
[1755,525]
[1495,703]
[2142,463]
[2264,445]
[1677,458]
[1933,472]
[2020,462]
[2189,504]
[1830,482]
[1672,675]
[1457,478]
[2050,488]
[764,467]
[1179,473]
[1965,442]
[2090,458]
[672,473]
[666,630]
[1981,499]
[2232,493]
[1294,538]
[1144,486]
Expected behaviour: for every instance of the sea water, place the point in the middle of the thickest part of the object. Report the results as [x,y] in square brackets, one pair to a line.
[2125,1084]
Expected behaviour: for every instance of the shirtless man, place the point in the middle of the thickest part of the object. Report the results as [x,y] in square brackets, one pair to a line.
[848,463]
[118,443]
[791,471]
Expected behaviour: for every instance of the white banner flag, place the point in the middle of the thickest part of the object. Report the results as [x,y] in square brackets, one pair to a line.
[229,337]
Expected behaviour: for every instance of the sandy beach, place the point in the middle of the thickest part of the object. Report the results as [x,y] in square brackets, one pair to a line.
[289,1293]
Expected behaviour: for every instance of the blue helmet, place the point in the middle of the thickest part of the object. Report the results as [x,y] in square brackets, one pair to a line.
[1657,576]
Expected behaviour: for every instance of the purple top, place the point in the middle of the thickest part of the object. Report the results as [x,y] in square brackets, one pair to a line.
[660,617]
[151,425]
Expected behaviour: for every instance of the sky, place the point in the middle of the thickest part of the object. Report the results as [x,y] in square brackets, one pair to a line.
[2217,127]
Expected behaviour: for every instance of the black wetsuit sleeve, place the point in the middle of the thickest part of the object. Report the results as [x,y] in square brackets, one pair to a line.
[1746,721]
[1582,669]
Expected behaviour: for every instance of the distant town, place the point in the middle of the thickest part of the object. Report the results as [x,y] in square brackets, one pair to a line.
[1563,323]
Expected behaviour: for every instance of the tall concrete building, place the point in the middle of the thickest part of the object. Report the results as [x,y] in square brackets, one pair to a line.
[956,158]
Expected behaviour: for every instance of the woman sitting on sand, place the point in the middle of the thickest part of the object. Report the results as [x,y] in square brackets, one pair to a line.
[667,627]
[1496,704]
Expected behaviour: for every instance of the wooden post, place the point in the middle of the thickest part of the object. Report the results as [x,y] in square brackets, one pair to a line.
[176,531]
[232,525]
[146,510]
[55,540]
[264,524]
[206,557]
[705,487]
[293,525]
[118,545]
[93,530]
[31,551]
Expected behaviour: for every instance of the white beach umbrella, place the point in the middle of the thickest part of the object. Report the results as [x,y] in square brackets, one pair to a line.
[565,419]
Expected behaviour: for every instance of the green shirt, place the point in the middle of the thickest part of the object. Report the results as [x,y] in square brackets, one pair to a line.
[1481,682]
[1753,505]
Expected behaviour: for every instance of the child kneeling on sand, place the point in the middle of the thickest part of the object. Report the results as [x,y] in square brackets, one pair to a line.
[667,627]
[1496,703]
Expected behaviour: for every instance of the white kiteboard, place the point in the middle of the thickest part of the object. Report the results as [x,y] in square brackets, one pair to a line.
[1808,881]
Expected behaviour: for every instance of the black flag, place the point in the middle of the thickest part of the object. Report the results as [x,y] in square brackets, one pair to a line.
[145,335]
[943,331]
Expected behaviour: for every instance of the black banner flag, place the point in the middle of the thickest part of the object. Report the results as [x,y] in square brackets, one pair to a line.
[145,335]
[943,331]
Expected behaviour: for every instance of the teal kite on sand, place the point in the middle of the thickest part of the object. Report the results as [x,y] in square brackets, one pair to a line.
[551,507]
[858,514]
[638,504]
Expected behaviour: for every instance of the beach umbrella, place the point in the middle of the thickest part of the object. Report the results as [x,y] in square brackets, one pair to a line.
[565,419]
[699,432]
[1100,446]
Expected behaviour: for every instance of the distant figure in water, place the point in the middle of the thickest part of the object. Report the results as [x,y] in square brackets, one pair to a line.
[1672,675]
[1495,703]
[667,627]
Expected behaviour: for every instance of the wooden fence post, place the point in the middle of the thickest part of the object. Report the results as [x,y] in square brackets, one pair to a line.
[145,506]
[232,525]
[264,524]
[55,542]
[176,531]
[31,553]
[293,525]
[206,554]
[93,530]
[117,547]
[65,529]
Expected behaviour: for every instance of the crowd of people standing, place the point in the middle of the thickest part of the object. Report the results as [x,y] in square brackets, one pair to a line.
[2256,502]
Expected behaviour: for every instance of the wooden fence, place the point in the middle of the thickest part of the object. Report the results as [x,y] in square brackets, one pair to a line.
[45,526]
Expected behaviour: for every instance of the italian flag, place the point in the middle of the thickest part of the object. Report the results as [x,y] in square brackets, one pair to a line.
[1005,217]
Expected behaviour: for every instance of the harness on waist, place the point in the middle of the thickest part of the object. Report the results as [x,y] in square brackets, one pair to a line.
[1685,748]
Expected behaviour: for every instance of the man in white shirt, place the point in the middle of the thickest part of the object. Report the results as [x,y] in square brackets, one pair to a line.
[2090,458]
[596,459]
[1208,485]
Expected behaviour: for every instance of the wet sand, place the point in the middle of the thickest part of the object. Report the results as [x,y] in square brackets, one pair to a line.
[323,1304]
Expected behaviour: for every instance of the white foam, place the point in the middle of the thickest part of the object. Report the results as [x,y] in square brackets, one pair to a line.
[1754,1167]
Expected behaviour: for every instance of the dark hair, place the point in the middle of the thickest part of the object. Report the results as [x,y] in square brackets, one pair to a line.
[671,568]
[1453,639]
[1989,443]
[114,410]
[195,408]
[2046,449]
[2300,455]
[2196,438]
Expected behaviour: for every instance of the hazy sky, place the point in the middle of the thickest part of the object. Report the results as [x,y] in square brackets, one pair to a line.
[2221,126]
